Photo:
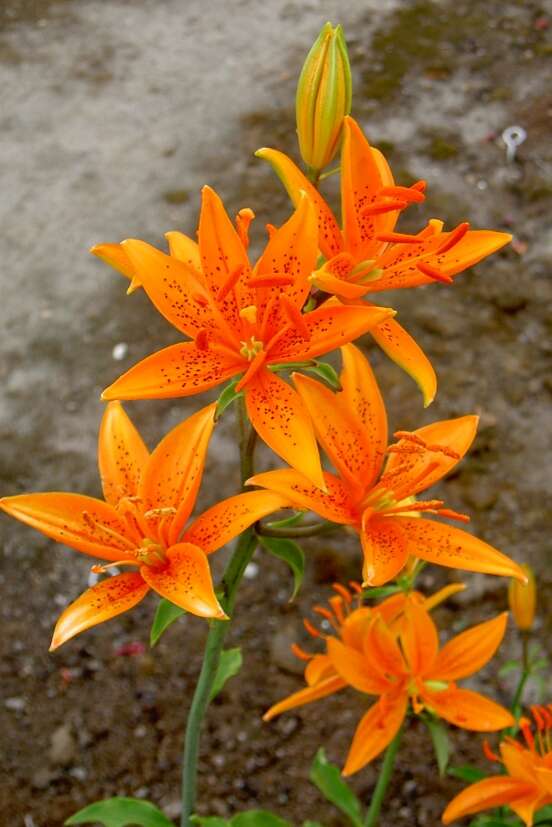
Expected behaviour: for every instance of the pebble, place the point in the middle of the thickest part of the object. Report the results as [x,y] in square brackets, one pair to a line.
[62,746]
[280,650]
[15,704]
[119,351]
[42,778]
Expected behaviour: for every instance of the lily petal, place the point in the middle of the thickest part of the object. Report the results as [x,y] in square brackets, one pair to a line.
[419,639]
[177,370]
[362,394]
[445,545]
[352,666]
[408,355]
[422,470]
[280,418]
[330,326]
[305,696]
[318,669]
[385,550]
[330,239]
[333,284]
[333,504]
[185,250]
[116,256]
[173,474]
[469,651]
[225,520]
[485,795]
[339,432]
[375,731]
[172,286]
[186,581]
[468,709]
[122,455]
[381,650]
[84,523]
[107,599]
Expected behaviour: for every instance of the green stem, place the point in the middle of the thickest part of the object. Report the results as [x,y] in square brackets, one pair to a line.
[524,677]
[218,629]
[383,780]
[293,532]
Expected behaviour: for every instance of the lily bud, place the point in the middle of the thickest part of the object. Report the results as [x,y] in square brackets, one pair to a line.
[323,98]
[523,599]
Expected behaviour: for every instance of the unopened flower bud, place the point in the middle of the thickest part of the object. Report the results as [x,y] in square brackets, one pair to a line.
[323,98]
[523,599]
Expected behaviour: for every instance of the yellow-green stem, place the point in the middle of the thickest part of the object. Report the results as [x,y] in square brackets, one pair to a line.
[384,778]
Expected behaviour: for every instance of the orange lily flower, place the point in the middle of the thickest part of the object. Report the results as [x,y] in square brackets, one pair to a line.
[241,320]
[527,785]
[377,498]
[368,256]
[404,666]
[148,499]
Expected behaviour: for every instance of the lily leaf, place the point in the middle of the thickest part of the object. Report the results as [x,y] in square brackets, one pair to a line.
[258,818]
[229,665]
[226,398]
[380,591]
[325,372]
[441,743]
[467,773]
[166,613]
[312,824]
[510,666]
[120,812]
[327,778]
[295,519]
[290,553]
[210,821]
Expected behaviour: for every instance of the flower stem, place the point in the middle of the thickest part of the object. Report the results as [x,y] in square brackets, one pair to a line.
[384,778]
[218,629]
[292,532]
[524,677]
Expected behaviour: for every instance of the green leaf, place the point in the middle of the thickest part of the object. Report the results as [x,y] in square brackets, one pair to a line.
[325,372]
[467,773]
[328,779]
[295,519]
[493,821]
[258,818]
[508,667]
[165,615]
[543,816]
[312,824]
[441,743]
[226,398]
[380,591]
[290,553]
[229,665]
[119,812]
[210,821]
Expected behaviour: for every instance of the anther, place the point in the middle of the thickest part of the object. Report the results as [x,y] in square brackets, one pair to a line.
[295,317]
[398,238]
[525,726]
[381,208]
[230,283]
[538,717]
[243,220]
[454,237]
[271,229]
[160,512]
[488,752]
[454,515]
[433,273]
[300,653]
[202,339]
[271,281]
[344,592]
[312,630]
[408,194]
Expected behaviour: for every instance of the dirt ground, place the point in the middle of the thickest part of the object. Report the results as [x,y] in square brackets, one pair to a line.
[112,115]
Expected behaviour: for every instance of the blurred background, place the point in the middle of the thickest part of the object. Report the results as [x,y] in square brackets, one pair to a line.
[113,114]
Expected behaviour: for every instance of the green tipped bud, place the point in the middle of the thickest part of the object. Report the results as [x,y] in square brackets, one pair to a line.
[323,98]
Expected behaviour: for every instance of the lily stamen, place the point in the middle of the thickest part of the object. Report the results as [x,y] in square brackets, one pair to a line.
[382,208]
[230,283]
[94,524]
[433,273]
[453,239]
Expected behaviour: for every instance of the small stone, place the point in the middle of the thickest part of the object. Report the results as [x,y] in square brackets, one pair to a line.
[280,650]
[62,746]
[173,809]
[42,778]
[119,351]
[15,704]
[251,571]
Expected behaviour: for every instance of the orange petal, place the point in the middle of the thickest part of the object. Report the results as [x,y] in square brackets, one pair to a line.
[422,470]
[519,762]
[280,418]
[186,581]
[122,455]
[385,550]
[468,709]
[173,474]
[178,370]
[333,504]
[116,256]
[419,638]
[291,251]
[224,521]
[525,806]
[353,667]
[362,394]
[172,286]
[469,652]
[330,283]
[305,696]
[445,545]
[330,326]
[486,795]
[330,239]
[84,523]
[185,250]
[407,354]
[318,669]
[399,261]
[107,599]
[375,731]
[339,432]
[363,174]
[382,651]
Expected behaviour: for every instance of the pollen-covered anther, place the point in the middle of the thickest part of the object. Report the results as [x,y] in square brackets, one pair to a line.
[249,313]
[398,238]
[160,512]
[454,515]
[312,630]
[435,449]
[271,281]
[96,525]
[343,592]
[488,752]
[412,195]
[455,236]
[300,653]
[379,208]
[433,273]
[243,221]
[230,283]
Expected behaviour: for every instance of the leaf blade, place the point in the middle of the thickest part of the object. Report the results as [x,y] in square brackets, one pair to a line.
[165,615]
[120,812]
[327,778]
[290,553]
[229,665]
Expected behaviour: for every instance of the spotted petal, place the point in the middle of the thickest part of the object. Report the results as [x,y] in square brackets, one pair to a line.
[385,550]
[122,455]
[486,795]
[333,504]
[468,709]
[375,731]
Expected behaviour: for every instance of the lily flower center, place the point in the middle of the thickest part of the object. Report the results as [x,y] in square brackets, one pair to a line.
[250,348]
[150,553]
